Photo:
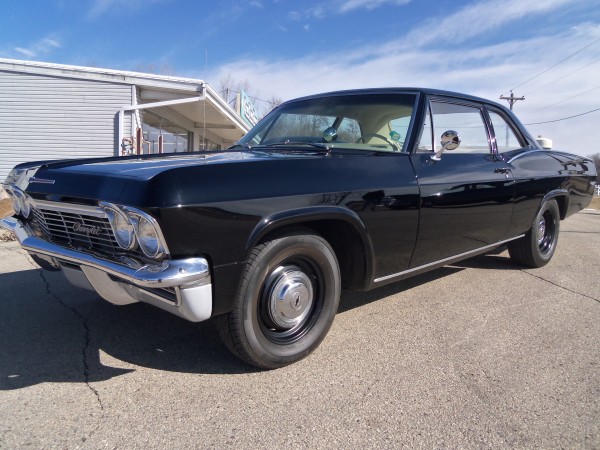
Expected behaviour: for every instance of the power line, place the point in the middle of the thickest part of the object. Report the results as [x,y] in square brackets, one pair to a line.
[558,63]
[253,98]
[567,99]
[564,118]
[564,76]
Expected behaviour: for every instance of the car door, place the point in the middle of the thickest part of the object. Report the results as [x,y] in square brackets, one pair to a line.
[466,195]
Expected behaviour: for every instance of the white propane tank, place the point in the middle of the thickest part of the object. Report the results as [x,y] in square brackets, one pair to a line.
[545,143]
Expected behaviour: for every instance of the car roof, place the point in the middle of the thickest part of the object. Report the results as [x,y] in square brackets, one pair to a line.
[398,90]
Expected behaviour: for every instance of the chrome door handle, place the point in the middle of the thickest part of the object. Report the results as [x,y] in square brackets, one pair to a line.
[504,170]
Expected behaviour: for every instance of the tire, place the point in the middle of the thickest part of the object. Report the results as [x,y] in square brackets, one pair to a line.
[286,303]
[536,248]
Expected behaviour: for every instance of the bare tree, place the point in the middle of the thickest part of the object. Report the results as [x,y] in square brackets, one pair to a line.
[271,104]
[596,158]
[229,87]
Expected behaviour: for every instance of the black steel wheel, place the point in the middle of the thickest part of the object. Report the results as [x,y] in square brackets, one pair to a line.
[287,301]
[536,248]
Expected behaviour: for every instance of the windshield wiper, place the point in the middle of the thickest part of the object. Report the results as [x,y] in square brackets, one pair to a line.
[247,146]
[319,145]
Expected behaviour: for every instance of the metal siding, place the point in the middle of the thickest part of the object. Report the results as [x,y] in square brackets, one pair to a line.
[47,117]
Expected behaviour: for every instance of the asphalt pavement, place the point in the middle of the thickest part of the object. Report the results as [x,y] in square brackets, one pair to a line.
[480,354]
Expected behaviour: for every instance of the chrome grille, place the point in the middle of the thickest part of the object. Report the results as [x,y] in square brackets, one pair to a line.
[88,229]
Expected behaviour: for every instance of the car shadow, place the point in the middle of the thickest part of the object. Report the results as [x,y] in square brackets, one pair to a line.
[51,331]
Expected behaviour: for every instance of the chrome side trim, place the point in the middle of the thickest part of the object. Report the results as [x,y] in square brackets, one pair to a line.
[534,150]
[444,261]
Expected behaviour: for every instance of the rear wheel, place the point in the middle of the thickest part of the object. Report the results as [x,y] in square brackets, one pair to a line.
[536,248]
[287,301]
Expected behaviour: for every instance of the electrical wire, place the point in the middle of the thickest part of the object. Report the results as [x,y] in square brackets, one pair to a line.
[253,98]
[567,99]
[557,64]
[562,78]
[564,118]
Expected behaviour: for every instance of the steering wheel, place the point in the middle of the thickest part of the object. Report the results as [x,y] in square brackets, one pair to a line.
[383,138]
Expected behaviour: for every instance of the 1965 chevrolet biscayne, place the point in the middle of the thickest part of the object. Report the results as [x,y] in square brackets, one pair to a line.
[350,189]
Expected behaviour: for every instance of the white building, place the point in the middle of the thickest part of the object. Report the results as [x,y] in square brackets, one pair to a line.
[52,111]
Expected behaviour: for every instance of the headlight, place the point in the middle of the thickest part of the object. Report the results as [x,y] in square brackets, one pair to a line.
[20,201]
[133,227]
[147,233]
[15,201]
[121,226]
[25,205]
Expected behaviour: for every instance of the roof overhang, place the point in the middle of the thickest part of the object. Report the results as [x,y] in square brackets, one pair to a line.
[197,103]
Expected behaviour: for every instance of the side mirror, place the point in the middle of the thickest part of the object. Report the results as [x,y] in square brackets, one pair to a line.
[449,141]
[330,134]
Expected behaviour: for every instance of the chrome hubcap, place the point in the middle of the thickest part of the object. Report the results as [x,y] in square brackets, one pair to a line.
[541,231]
[290,299]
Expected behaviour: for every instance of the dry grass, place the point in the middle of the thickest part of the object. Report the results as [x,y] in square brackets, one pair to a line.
[6,208]
[595,203]
[5,211]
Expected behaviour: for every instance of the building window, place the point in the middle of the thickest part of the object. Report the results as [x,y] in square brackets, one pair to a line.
[162,135]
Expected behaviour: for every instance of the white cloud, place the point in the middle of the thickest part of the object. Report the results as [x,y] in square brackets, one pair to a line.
[484,70]
[39,48]
[350,5]
[100,7]
[325,9]
[478,18]
[26,52]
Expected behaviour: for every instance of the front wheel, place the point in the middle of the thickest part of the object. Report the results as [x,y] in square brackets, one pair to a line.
[536,248]
[287,301]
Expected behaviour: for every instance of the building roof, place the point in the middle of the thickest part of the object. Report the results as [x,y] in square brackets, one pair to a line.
[193,99]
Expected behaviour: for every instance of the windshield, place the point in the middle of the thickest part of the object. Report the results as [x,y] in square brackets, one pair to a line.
[359,121]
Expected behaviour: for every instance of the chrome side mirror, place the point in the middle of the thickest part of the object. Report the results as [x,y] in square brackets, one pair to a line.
[330,134]
[449,141]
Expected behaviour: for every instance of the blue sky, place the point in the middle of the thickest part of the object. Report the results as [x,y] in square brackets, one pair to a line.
[285,48]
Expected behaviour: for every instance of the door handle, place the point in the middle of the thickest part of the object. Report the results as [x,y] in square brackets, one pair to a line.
[504,170]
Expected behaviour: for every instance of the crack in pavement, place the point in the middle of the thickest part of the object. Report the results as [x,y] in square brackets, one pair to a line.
[86,368]
[83,320]
[560,286]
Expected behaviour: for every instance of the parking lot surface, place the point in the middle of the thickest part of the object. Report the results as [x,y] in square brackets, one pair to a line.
[480,354]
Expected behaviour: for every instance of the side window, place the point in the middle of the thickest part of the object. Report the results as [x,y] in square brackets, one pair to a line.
[466,120]
[425,143]
[506,139]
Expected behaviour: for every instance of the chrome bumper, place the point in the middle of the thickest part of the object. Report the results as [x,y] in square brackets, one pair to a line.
[181,287]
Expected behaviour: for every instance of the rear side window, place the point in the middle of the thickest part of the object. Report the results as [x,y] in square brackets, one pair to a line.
[506,139]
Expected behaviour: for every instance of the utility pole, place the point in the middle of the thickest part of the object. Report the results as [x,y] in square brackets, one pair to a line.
[512,99]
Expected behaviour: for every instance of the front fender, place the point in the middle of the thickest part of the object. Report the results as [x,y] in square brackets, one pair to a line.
[323,219]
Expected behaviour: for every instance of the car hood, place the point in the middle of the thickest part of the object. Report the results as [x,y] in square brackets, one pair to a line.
[145,167]
[173,180]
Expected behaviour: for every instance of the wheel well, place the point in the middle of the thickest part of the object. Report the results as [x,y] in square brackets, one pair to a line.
[346,242]
[562,201]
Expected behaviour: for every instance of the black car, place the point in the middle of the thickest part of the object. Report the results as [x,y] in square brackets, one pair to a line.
[350,189]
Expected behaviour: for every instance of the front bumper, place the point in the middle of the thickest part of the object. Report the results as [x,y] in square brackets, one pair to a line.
[181,287]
